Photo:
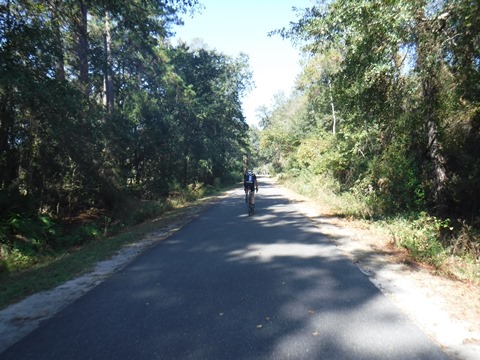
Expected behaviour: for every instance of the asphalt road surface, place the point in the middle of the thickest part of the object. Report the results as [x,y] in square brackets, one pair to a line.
[230,286]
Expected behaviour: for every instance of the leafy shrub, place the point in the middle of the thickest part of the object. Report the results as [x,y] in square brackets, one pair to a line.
[422,238]
[392,185]
[466,241]
[15,260]
[31,233]
[80,236]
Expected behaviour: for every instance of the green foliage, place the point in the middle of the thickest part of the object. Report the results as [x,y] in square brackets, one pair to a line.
[327,191]
[392,185]
[422,238]
[34,242]
[78,160]
[22,228]
[406,127]
[465,241]
[389,112]
[324,154]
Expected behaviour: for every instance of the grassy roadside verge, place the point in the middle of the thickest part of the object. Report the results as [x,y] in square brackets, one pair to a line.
[51,271]
[425,240]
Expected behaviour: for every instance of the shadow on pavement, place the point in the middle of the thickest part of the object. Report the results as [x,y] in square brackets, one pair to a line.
[230,286]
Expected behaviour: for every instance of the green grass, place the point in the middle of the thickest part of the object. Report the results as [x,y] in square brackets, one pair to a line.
[327,192]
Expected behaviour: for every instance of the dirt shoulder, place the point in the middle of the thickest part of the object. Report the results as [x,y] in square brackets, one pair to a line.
[448,311]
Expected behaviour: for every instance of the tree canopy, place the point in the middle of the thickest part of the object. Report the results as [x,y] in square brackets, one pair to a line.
[388,104]
[96,105]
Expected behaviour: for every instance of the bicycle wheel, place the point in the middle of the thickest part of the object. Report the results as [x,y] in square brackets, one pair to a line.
[251,207]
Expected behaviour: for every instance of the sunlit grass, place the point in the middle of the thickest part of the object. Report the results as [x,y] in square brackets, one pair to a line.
[326,191]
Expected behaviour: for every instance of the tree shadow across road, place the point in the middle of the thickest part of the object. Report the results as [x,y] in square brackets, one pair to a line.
[230,286]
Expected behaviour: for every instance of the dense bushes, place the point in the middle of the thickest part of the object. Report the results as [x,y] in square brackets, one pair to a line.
[29,238]
[387,110]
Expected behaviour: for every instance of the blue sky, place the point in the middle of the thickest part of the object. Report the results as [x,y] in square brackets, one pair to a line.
[234,26]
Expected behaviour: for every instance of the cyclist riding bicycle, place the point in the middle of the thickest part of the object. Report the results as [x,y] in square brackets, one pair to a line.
[250,183]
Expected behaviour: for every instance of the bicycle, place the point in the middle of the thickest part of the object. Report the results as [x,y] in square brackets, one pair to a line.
[248,199]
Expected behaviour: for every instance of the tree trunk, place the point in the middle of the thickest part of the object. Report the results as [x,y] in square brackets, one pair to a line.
[81,24]
[108,99]
[334,130]
[8,155]
[60,58]
[428,64]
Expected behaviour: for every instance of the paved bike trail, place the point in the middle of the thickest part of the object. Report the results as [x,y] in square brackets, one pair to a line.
[230,286]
